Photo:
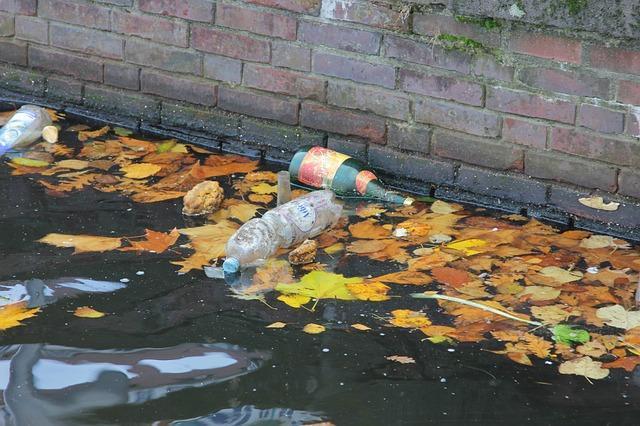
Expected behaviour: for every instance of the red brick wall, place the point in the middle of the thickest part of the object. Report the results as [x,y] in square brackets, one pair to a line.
[375,80]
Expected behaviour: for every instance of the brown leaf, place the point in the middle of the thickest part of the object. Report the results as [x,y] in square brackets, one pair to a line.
[369,229]
[451,276]
[401,359]
[154,242]
[627,363]
[83,136]
[405,277]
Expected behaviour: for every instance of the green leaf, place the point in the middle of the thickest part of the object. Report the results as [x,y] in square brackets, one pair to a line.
[29,162]
[319,285]
[121,131]
[567,334]
[166,146]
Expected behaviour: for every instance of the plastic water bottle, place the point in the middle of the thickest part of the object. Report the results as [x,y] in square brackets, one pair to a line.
[285,226]
[24,128]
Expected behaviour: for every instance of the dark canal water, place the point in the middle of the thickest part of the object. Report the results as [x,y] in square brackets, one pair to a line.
[176,349]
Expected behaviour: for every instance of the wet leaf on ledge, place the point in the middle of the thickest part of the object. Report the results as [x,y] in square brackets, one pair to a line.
[599,204]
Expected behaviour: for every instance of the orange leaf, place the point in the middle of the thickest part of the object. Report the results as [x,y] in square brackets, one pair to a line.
[86,135]
[406,277]
[154,242]
[87,312]
[628,363]
[451,276]
[369,229]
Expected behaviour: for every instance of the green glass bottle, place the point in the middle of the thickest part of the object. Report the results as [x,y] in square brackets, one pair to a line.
[321,167]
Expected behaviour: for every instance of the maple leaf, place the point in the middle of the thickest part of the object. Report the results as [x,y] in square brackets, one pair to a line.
[584,366]
[268,275]
[208,241]
[240,210]
[82,243]
[320,285]
[264,189]
[87,312]
[371,291]
[366,246]
[12,314]
[369,210]
[154,242]
[407,318]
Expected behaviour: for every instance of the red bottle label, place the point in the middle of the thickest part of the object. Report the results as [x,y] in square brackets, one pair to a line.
[319,167]
[362,180]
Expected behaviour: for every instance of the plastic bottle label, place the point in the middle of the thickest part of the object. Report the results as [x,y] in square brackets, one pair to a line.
[362,180]
[319,167]
[302,214]
[14,128]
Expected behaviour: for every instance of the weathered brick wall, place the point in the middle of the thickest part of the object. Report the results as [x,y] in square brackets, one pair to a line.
[441,99]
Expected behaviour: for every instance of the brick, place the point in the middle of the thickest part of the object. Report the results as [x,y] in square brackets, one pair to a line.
[489,67]
[339,37]
[411,166]
[527,104]
[572,83]
[256,21]
[193,10]
[612,59]
[457,117]
[222,68]
[409,137]
[546,46]
[427,54]
[284,81]
[285,138]
[23,81]
[32,29]
[364,12]
[83,14]
[524,132]
[442,87]
[619,152]
[154,28]
[629,183]
[353,69]
[65,63]
[179,88]
[377,101]
[481,152]
[13,52]
[7,25]
[301,6]
[233,45]
[122,75]
[353,147]
[161,56]
[600,119]
[88,41]
[219,123]
[633,123]
[503,186]
[342,122]
[629,92]
[564,168]
[434,25]
[64,89]
[255,105]
[112,101]
[19,7]
[123,3]
[291,56]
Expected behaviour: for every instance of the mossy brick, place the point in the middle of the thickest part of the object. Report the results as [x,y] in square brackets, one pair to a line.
[276,135]
[424,53]
[192,10]
[621,152]
[354,69]
[88,41]
[7,25]
[409,137]
[578,83]
[502,185]
[334,120]
[366,13]
[338,37]
[440,86]
[282,81]
[64,89]
[155,28]
[411,166]
[600,119]
[354,147]
[370,99]
[480,152]
[310,7]
[523,132]
[179,88]
[431,24]
[458,117]
[19,7]
[164,57]
[121,75]
[13,52]
[65,63]
[84,14]
[23,81]
[530,105]
[122,103]
[570,169]
[239,46]
[32,29]
[265,106]
[210,121]
[256,21]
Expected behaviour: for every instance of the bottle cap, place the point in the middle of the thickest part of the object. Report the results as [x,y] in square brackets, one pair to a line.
[231,265]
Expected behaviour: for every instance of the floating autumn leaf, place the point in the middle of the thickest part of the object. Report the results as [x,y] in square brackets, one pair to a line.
[82,243]
[371,291]
[467,247]
[241,211]
[268,275]
[366,246]
[277,324]
[312,328]
[369,229]
[539,293]
[593,349]
[334,248]
[264,188]
[401,359]
[320,285]
[140,170]
[553,314]
[84,136]
[628,363]
[599,204]
[72,164]
[360,327]
[442,207]
[154,242]
[208,242]
[617,316]
[87,312]
[560,275]
[451,276]
[584,366]
[12,314]
[369,210]
[407,318]
[405,277]
[568,334]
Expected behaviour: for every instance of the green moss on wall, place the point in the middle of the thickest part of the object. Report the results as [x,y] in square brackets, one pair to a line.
[486,23]
[456,42]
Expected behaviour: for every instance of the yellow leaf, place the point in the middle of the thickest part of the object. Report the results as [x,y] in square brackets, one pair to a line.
[29,162]
[321,285]
[294,300]
[264,188]
[540,293]
[241,211]
[208,241]
[334,248]
[277,324]
[560,275]
[82,243]
[371,291]
[262,199]
[366,246]
[87,312]
[312,328]
[467,246]
[406,318]
[401,359]
[360,327]
[369,210]
[584,366]
[442,207]
[11,315]
[599,204]
[140,170]
[73,164]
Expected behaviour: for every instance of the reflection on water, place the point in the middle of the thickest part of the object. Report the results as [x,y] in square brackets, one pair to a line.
[250,415]
[47,384]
